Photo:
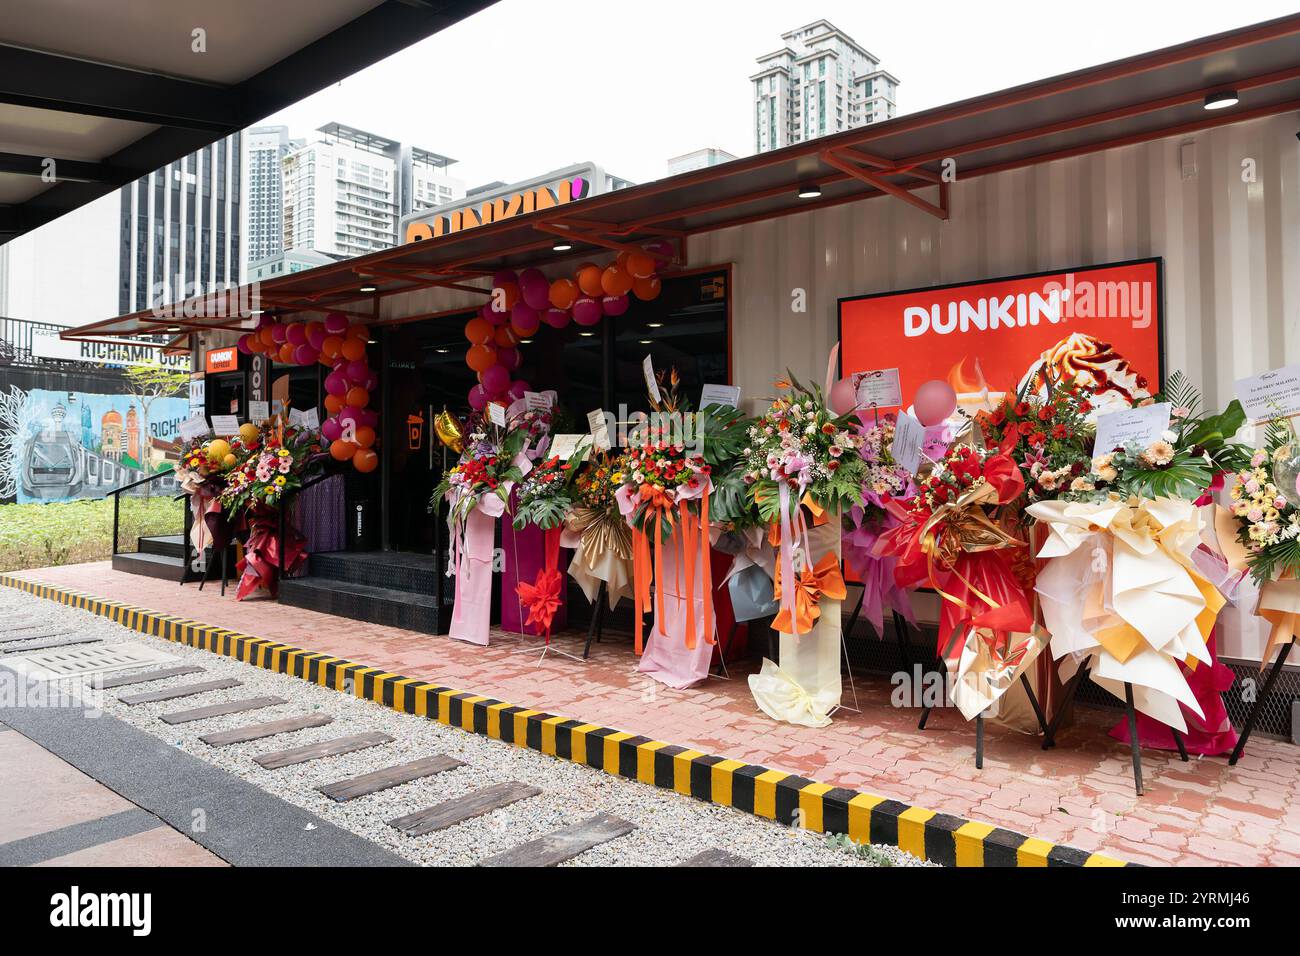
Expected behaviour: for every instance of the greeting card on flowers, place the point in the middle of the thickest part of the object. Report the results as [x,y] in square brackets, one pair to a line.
[225,424]
[1141,426]
[1274,394]
[879,388]
[563,446]
[195,427]
[909,435]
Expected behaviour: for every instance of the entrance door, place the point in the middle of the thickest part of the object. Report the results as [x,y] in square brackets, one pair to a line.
[426,372]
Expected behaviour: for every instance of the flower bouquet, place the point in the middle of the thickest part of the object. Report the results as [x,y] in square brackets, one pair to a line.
[594,528]
[275,463]
[951,538]
[477,490]
[541,502]
[201,471]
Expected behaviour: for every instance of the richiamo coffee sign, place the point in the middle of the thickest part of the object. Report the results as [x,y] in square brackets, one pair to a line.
[548,196]
[125,352]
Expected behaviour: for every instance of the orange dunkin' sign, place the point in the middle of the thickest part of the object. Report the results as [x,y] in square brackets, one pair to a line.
[504,207]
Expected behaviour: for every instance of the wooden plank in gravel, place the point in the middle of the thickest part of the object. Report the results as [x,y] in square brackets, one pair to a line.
[220,710]
[185,690]
[563,844]
[367,783]
[326,748]
[457,810]
[27,635]
[126,680]
[242,735]
[49,645]
[716,858]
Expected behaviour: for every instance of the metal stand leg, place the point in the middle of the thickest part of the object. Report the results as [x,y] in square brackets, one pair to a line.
[857,609]
[772,644]
[1038,710]
[904,645]
[1182,748]
[223,572]
[979,741]
[597,614]
[1049,738]
[1259,703]
[943,670]
[1133,737]
[722,648]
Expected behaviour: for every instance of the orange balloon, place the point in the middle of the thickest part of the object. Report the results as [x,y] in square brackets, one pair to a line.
[564,292]
[478,330]
[286,353]
[365,460]
[255,342]
[510,292]
[268,341]
[353,349]
[589,279]
[480,357]
[358,331]
[313,328]
[329,349]
[333,404]
[505,336]
[357,397]
[640,265]
[365,436]
[341,450]
[615,281]
[621,260]
[647,288]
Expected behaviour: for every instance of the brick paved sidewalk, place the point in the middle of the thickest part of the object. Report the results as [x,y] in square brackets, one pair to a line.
[1081,793]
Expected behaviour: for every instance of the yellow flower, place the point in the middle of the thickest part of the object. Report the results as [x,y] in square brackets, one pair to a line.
[279,479]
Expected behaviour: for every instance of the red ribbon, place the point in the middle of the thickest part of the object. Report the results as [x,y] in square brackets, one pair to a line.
[261,564]
[542,597]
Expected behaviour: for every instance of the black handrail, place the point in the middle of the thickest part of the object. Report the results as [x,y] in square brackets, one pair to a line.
[117,501]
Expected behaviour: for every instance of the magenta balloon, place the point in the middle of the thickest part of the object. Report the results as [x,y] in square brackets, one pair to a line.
[242,345]
[517,389]
[295,333]
[357,372]
[366,416]
[530,277]
[495,379]
[336,384]
[305,355]
[614,304]
[662,251]
[587,311]
[496,318]
[372,382]
[524,318]
[351,414]
[509,358]
[316,336]
[264,320]
[478,398]
[556,318]
[534,289]
[279,333]
[336,323]
[935,401]
[331,430]
[502,276]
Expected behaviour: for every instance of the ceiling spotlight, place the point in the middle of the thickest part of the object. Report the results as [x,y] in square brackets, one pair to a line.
[647,341]
[562,245]
[173,328]
[442,351]
[369,287]
[524,341]
[811,191]
[1221,100]
[586,335]
[654,325]
[256,311]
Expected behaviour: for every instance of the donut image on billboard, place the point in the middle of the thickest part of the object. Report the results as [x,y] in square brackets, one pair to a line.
[1101,325]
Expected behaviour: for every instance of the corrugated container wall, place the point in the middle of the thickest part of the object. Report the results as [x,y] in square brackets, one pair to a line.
[1227,227]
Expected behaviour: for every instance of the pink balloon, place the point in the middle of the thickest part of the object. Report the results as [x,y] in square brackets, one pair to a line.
[305,355]
[357,372]
[614,304]
[242,345]
[351,414]
[495,379]
[336,323]
[534,289]
[279,333]
[509,358]
[496,318]
[662,250]
[372,381]
[517,389]
[296,333]
[366,416]
[331,430]
[502,276]
[478,398]
[264,320]
[587,311]
[842,397]
[556,318]
[316,336]
[524,318]
[336,384]
[935,401]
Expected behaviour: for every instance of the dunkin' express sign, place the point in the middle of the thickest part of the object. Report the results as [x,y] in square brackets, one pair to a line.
[1099,322]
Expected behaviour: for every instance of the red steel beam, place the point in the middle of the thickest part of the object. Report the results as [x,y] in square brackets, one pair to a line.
[831,158]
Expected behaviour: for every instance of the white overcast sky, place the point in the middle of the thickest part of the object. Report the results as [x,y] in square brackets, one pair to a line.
[526,86]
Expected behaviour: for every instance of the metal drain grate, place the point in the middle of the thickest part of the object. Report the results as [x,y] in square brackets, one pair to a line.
[85,660]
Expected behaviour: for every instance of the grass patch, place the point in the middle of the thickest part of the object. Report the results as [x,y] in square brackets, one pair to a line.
[70,532]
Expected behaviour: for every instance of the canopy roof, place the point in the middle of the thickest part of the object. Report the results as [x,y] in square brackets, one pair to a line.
[113,91]
[1128,101]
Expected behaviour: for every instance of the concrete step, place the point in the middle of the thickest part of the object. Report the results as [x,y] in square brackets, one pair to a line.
[163,566]
[362,602]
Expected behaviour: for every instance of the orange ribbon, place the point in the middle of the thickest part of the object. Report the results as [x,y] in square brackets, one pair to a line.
[643,570]
[823,579]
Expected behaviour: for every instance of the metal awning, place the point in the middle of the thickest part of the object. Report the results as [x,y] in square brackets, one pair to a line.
[111,91]
[1128,101]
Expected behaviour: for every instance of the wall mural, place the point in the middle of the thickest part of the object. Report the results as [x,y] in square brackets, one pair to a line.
[56,446]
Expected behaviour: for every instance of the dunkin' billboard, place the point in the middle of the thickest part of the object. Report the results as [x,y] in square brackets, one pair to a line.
[1102,324]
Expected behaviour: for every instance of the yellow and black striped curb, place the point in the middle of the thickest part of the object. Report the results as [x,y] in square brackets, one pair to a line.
[774,794]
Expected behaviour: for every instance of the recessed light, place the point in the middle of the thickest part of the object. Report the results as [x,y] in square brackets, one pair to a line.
[368,288]
[371,341]
[173,328]
[654,325]
[586,335]
[256,311]
[811,191]
[1221,100]
[647,341]
[562,245]
[442,351]
[524,341]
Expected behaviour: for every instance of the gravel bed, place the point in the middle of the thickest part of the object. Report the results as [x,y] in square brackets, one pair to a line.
[670,827]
